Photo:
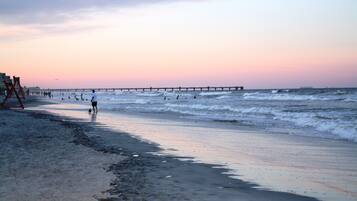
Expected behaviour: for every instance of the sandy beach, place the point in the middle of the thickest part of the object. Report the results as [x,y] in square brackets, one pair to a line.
[172,100]
[48,157]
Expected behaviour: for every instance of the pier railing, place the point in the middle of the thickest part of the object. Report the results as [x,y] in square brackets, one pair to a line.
[151,89]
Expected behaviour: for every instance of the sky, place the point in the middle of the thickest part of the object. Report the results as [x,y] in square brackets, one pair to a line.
[142,43]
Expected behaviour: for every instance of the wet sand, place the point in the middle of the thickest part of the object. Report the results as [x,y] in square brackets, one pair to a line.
[48,157]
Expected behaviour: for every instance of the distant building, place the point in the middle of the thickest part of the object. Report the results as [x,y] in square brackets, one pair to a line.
[32,90]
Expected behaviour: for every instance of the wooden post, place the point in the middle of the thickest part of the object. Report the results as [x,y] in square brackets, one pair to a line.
[17,82]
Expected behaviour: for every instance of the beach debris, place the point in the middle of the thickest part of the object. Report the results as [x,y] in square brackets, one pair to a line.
[135,155]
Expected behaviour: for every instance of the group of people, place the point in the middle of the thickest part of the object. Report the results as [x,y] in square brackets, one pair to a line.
[94,101]
[49,94]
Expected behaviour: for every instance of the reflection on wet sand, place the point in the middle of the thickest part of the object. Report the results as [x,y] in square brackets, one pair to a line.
[93,117]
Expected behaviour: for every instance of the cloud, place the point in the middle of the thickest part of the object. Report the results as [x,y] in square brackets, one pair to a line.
[29,18]
[57,11]
[15,30]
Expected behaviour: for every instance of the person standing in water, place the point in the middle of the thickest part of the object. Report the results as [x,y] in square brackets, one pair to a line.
[94,102]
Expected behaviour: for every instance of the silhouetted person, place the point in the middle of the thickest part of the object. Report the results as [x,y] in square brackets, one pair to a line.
[94,101]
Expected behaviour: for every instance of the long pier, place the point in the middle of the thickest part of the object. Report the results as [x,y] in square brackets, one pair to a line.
[151,89]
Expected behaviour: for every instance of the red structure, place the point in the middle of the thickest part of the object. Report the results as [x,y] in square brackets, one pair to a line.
[14,88]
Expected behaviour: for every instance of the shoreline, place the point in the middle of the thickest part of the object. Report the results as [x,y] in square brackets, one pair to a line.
[281,126]
[142,175]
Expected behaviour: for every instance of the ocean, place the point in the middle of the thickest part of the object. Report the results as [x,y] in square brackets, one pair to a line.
[324,113]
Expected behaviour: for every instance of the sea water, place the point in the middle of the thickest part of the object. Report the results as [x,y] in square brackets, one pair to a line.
[325,113]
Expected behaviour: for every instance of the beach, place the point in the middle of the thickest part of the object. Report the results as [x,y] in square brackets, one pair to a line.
[52,157]
[172,100]
[322,168]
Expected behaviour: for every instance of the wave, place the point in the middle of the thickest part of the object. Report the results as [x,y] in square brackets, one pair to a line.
[215,93]
[320,122]
[194,106]
[342,129]
[222,97]
[352,99]
[284,97]
[132,101]
[216,108]
[148,94]
[340,92]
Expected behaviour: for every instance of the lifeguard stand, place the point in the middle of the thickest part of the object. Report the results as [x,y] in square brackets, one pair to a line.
[12,87]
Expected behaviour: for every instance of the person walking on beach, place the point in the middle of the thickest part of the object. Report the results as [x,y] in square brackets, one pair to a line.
[94,102]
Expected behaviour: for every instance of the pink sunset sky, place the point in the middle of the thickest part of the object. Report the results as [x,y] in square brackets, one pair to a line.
[257,44]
